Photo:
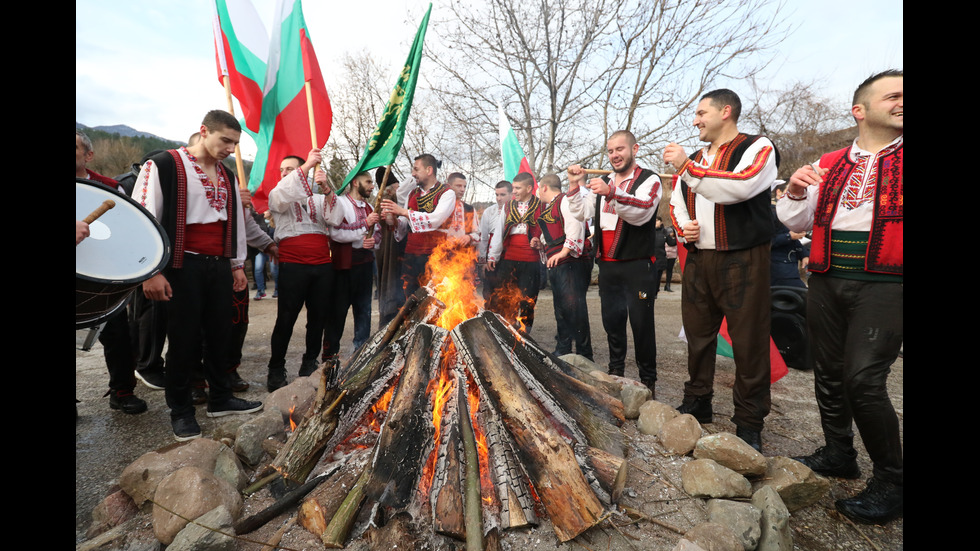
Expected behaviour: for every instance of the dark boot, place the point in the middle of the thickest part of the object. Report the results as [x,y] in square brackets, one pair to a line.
[751,437]
[126,401]
[879,503]
[276,379]
[700,408]
[830,461]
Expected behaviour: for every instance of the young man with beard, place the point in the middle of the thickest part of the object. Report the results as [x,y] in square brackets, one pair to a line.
[852,199]
[353,260]
[622,206]
[721,209]
[197,202]
[488,223]
[425,209]
[563,239]
[511,255]
[306,274]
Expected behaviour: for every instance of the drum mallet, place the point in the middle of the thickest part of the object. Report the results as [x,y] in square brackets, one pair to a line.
[106,205]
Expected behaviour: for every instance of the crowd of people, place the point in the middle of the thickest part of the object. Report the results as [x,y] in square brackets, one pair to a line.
[329,246]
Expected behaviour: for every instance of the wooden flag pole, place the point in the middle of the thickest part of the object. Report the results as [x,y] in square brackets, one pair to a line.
[242,184]
[377,200]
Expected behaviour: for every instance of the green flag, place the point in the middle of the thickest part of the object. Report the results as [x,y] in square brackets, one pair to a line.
[383,146]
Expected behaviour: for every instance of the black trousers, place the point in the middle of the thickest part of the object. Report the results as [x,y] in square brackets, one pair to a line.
[732,285]
[352,290]
[309,285]
[148,327]
[413,270]
[197,313]
[856,330]
[626,293]
[118,349]
[523,280]
[569,284]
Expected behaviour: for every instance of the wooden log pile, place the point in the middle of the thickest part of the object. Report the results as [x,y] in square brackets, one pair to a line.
[484,432]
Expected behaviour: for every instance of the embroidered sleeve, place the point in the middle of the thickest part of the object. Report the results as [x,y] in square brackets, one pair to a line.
[798,215]
[147,191]
[753,174]
[581,208]
[574,231]
[638,209]
[425,221]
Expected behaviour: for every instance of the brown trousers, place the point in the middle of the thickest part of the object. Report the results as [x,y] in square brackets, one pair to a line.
[733,285]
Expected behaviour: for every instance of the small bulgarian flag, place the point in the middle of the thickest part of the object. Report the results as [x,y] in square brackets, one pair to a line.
[515,161]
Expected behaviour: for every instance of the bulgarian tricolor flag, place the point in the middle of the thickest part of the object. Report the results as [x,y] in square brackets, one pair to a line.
[284,128]
[241,46]
[515,161]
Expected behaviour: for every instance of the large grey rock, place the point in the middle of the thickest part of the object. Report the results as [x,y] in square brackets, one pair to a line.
[141,477]
[188,493]
[686,545]
[706,478]
[796,484]
[714,537]
[580,362]
[742,518]
[297,397]
[774,525]
[251,434]
[633,395]
[732,452]
[653,415]
[680,434]
[114,510]
[207,533]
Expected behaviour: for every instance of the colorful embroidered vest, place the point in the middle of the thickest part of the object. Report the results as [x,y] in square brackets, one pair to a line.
[885,240]
[628,242]
[424,243]
[518,247]
[552,226]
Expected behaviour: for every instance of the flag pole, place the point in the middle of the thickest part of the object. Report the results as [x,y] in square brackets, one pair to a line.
[242,184]
[377,200]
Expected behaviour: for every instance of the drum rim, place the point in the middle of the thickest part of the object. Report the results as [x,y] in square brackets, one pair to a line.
[164,258]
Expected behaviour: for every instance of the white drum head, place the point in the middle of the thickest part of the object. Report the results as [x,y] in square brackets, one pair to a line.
[126,243]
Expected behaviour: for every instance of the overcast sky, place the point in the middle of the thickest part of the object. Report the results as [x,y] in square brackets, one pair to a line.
[150,65]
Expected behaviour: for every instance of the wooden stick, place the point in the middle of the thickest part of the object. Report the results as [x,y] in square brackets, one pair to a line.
[242,184]
[474,508]
[256,521]
[377,201]
[599,171]
[105,206]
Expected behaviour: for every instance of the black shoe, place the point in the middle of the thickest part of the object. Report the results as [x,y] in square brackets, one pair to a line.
[185,428]
[616,372]
[668,289]
[700,408]
[237,383]
[651,384]
[879,503]
[152,378]
[233,406]
[832,462]
[126,401]
[199,395]
[751,437]
[276,379]
[307,368]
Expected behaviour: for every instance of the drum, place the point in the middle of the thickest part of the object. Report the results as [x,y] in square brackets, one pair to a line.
[125,248]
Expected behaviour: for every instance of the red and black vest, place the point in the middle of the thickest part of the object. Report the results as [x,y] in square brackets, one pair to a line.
[739,225]
[885,243]
[423,243]
[173,182]
[552,226]
[627,242]
[518,247]
[344,255]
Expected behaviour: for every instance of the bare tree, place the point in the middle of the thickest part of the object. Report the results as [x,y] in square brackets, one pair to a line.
[570,72]
[801,122]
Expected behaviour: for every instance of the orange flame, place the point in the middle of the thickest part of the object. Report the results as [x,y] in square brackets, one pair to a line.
[440,389]
[451,271]
[482,448]
[292,423]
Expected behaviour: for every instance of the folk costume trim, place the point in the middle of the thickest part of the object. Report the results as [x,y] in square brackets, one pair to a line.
[216,192]
[514,216]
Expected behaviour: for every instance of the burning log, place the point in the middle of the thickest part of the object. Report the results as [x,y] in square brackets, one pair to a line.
[362,381]
[548,459]
[323,503]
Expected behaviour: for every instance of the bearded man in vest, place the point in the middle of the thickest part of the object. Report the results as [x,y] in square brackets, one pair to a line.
[426,211]
[852,200]
[622,207]
[721,208]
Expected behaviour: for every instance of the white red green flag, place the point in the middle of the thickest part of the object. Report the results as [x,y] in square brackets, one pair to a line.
[284,128]
[241,46]
[515,161]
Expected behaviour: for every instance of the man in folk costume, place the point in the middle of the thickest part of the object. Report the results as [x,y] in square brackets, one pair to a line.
[563,239]
[353,259]
[196,201]
[471,222]
[722,210]
[425,209]
[622,207]
[852,200]
[517,263]
[116,344]
[488,223]
[306,275]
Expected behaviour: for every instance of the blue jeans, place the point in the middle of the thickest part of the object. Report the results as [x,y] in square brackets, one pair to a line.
[261,260]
